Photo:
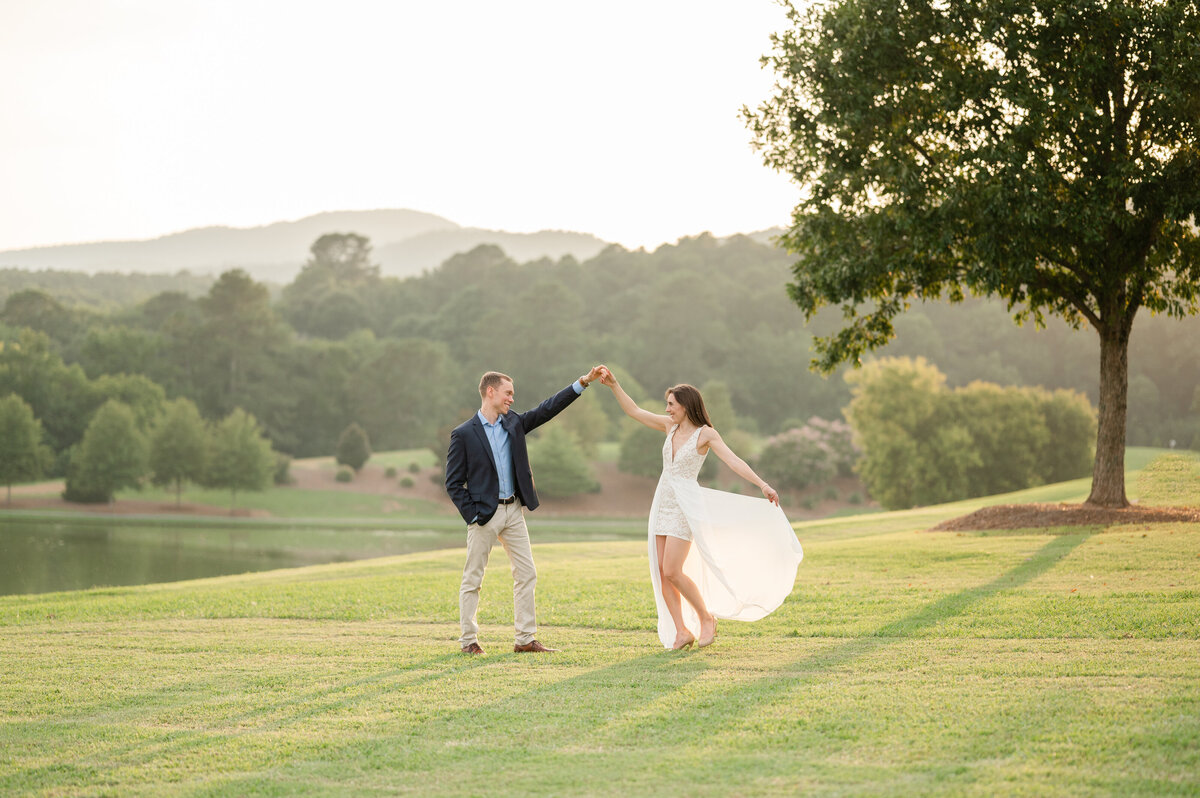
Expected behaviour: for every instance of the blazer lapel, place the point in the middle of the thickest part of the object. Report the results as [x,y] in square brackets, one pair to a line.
[484,442]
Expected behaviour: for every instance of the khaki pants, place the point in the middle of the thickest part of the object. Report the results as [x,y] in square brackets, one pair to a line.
[507,526]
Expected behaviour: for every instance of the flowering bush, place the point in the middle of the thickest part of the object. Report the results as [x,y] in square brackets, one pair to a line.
[808,455]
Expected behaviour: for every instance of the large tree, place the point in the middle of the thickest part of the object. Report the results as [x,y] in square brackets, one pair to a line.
[1044,152]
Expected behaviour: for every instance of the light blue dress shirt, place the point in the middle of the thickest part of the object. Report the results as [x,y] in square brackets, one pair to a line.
[497,436]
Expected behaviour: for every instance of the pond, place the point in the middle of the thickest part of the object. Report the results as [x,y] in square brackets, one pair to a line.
[39,556]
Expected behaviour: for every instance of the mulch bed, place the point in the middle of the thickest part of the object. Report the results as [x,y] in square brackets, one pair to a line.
[1028,516]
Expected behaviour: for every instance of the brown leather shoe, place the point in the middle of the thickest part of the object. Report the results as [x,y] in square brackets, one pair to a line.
[472,649]
[532,646]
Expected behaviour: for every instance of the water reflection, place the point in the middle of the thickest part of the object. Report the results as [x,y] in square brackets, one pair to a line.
[44,556]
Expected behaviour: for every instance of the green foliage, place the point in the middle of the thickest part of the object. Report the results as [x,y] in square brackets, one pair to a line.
[641,451]
[111,456]
[332,294]
[37,310]
[586,419]
[414,468]
[353,447]
[60,395]
[240,458]
[283,465]
[144,397]
[1007,432]
[23,456]
[344,474]
[179,446]
[118,349]
[1070,430]
[912,454]
[400,389]
[411,391]
[234,347]
[407,482]
[924,444]
[103,291]
[390,472]
[942,189]
[559,465]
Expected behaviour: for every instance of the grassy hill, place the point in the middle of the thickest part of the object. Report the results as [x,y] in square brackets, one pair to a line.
[1048,662]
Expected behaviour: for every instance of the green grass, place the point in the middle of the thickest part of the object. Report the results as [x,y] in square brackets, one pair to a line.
[400,459]
[1172,479]
[905,662]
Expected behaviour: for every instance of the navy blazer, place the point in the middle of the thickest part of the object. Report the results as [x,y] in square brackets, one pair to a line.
[471,478]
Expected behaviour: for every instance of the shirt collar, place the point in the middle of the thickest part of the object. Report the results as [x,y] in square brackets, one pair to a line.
[483,420]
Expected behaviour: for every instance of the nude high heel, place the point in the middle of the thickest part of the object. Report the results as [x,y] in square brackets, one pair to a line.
[708,641]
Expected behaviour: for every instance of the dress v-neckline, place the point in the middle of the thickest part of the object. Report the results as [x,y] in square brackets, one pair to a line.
[674,451]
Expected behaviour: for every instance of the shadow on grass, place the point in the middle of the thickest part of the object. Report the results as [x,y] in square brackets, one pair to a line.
[292,710]
[559,706]
[743,699]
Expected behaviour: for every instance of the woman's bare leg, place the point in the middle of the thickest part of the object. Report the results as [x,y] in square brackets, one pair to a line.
[675,551]
[670,596]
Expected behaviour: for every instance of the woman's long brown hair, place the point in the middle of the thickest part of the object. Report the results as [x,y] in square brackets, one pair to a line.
[693,403]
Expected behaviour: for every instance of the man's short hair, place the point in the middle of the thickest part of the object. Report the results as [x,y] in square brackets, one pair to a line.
[492,380]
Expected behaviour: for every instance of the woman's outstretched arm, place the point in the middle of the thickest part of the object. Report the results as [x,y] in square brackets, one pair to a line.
[651,420]
[712,438]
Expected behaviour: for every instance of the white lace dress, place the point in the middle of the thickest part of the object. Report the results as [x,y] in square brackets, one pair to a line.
[744,554]
[668,518]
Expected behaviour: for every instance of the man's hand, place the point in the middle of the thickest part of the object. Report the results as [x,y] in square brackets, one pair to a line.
[606,377]
[594,374]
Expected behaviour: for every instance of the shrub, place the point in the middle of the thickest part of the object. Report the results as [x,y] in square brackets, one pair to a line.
[407,482]
[913,452]
[1071,434]
[353,447]
[390,472]
[924,444]
[855,498]
[831,493]
[344,474]
[414,468]
[796,459]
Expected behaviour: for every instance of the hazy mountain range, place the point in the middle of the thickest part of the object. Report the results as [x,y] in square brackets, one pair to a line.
[405,242]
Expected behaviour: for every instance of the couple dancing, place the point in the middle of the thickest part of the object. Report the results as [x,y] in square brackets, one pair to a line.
[712,554]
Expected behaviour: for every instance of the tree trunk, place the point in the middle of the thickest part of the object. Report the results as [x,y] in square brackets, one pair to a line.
[1108,472]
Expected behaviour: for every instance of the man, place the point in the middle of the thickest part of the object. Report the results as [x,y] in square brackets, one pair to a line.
[489,479]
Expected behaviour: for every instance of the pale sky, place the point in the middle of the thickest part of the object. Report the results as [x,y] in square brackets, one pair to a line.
[126,119]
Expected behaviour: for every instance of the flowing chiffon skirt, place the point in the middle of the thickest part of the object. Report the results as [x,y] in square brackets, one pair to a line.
[743,558]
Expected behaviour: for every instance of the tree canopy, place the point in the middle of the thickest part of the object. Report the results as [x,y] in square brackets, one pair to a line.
[1045,153]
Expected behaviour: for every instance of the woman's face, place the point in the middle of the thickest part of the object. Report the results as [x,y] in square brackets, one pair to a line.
[675,410]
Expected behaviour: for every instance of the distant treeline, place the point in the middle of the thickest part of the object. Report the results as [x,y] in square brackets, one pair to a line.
[401,357]
[105,291]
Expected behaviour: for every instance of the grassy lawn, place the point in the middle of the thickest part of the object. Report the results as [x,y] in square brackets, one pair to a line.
[905,662]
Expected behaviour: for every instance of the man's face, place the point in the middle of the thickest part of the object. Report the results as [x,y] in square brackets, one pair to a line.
[501,396]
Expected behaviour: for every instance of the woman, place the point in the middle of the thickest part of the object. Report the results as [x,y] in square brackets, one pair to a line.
[744,562]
